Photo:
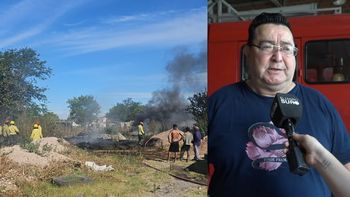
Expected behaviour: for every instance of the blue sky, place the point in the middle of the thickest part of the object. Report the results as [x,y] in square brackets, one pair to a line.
[110,49]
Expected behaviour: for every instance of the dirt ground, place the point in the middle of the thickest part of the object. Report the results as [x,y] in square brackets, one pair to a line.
[15,161]
[175,187]
[184,179]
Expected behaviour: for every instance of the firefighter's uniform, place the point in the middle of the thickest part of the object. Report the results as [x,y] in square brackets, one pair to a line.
[2,137]
[36,133]
[5,133]
[13,131]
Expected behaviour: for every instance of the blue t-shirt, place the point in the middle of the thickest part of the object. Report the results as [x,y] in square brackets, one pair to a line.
[246,149]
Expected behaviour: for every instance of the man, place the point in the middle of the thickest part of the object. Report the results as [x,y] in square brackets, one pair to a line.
[197,141]
[187,139]
[36,133]
[6,132]
[141,132]
[39,126]
[174,138]
[13,133]
[246,151]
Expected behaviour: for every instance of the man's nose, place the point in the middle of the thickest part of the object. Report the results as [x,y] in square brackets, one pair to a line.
[277,54]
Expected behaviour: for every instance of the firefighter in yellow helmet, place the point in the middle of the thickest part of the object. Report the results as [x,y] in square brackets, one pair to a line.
[36,133]
[5,132]
[13,133]
[39,126]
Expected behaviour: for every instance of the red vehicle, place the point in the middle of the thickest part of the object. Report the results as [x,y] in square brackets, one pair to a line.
[323,60]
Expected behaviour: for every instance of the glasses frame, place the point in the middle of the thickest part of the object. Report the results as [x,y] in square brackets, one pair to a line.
[275,48]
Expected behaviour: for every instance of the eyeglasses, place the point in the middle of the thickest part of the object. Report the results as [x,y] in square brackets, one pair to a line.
[269,48]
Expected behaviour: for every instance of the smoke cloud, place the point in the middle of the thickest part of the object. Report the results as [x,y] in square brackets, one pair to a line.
[187,74]
[188,71]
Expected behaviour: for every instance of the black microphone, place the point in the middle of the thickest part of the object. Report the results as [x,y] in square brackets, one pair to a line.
[286,110]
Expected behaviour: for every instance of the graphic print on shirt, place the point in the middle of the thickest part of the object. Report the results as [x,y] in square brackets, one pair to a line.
[266,146]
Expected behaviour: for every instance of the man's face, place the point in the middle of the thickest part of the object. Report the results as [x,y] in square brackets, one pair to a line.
[275,68]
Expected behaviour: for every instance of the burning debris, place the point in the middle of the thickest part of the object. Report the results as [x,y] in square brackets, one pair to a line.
[98,141]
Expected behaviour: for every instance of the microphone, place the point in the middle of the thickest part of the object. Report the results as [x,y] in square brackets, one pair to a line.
[286,110]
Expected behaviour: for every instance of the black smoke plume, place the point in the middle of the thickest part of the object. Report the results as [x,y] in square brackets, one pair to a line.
[186,75]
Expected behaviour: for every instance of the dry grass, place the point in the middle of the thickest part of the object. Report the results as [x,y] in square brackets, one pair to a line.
[130,178]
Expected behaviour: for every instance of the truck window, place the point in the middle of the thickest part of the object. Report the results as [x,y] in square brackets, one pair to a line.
[327,61]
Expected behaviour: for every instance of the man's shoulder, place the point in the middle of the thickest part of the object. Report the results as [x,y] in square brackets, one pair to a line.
[304,91]
[229,91]
[228,88]
[314,99]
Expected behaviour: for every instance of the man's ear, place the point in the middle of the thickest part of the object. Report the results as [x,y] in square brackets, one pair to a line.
[246,50]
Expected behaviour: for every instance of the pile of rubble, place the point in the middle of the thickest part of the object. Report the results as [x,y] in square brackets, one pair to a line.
[49,150]
[15,157]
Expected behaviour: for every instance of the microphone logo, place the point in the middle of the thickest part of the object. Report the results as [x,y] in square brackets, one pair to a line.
[289,100]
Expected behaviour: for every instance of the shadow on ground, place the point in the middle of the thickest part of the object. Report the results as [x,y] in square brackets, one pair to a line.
[200,167]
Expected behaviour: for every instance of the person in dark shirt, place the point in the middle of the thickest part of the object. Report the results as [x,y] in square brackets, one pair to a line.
[246,152]
[197,140]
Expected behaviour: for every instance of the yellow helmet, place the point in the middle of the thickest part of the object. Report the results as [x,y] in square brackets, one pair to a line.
[12,122]
[36,126]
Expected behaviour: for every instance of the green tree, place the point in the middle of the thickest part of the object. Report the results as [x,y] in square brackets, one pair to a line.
[125,111]
[49,122]
[199,109]
[83,110]
[20,70]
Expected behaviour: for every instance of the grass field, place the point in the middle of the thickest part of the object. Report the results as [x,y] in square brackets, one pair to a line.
[130,177]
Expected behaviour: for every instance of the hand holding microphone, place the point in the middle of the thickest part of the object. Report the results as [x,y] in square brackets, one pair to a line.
[285,112]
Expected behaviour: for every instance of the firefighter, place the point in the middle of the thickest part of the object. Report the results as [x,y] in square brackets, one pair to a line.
[2,137]
[13,133]
[36,133]
[39,126]
[6,132]
[141,132]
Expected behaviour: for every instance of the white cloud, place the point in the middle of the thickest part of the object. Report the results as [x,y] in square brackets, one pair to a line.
[141,17]
[29,18]
[190,27]
[129,18]
[20,36]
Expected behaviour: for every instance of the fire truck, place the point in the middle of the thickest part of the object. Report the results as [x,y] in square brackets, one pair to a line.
[323,60]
